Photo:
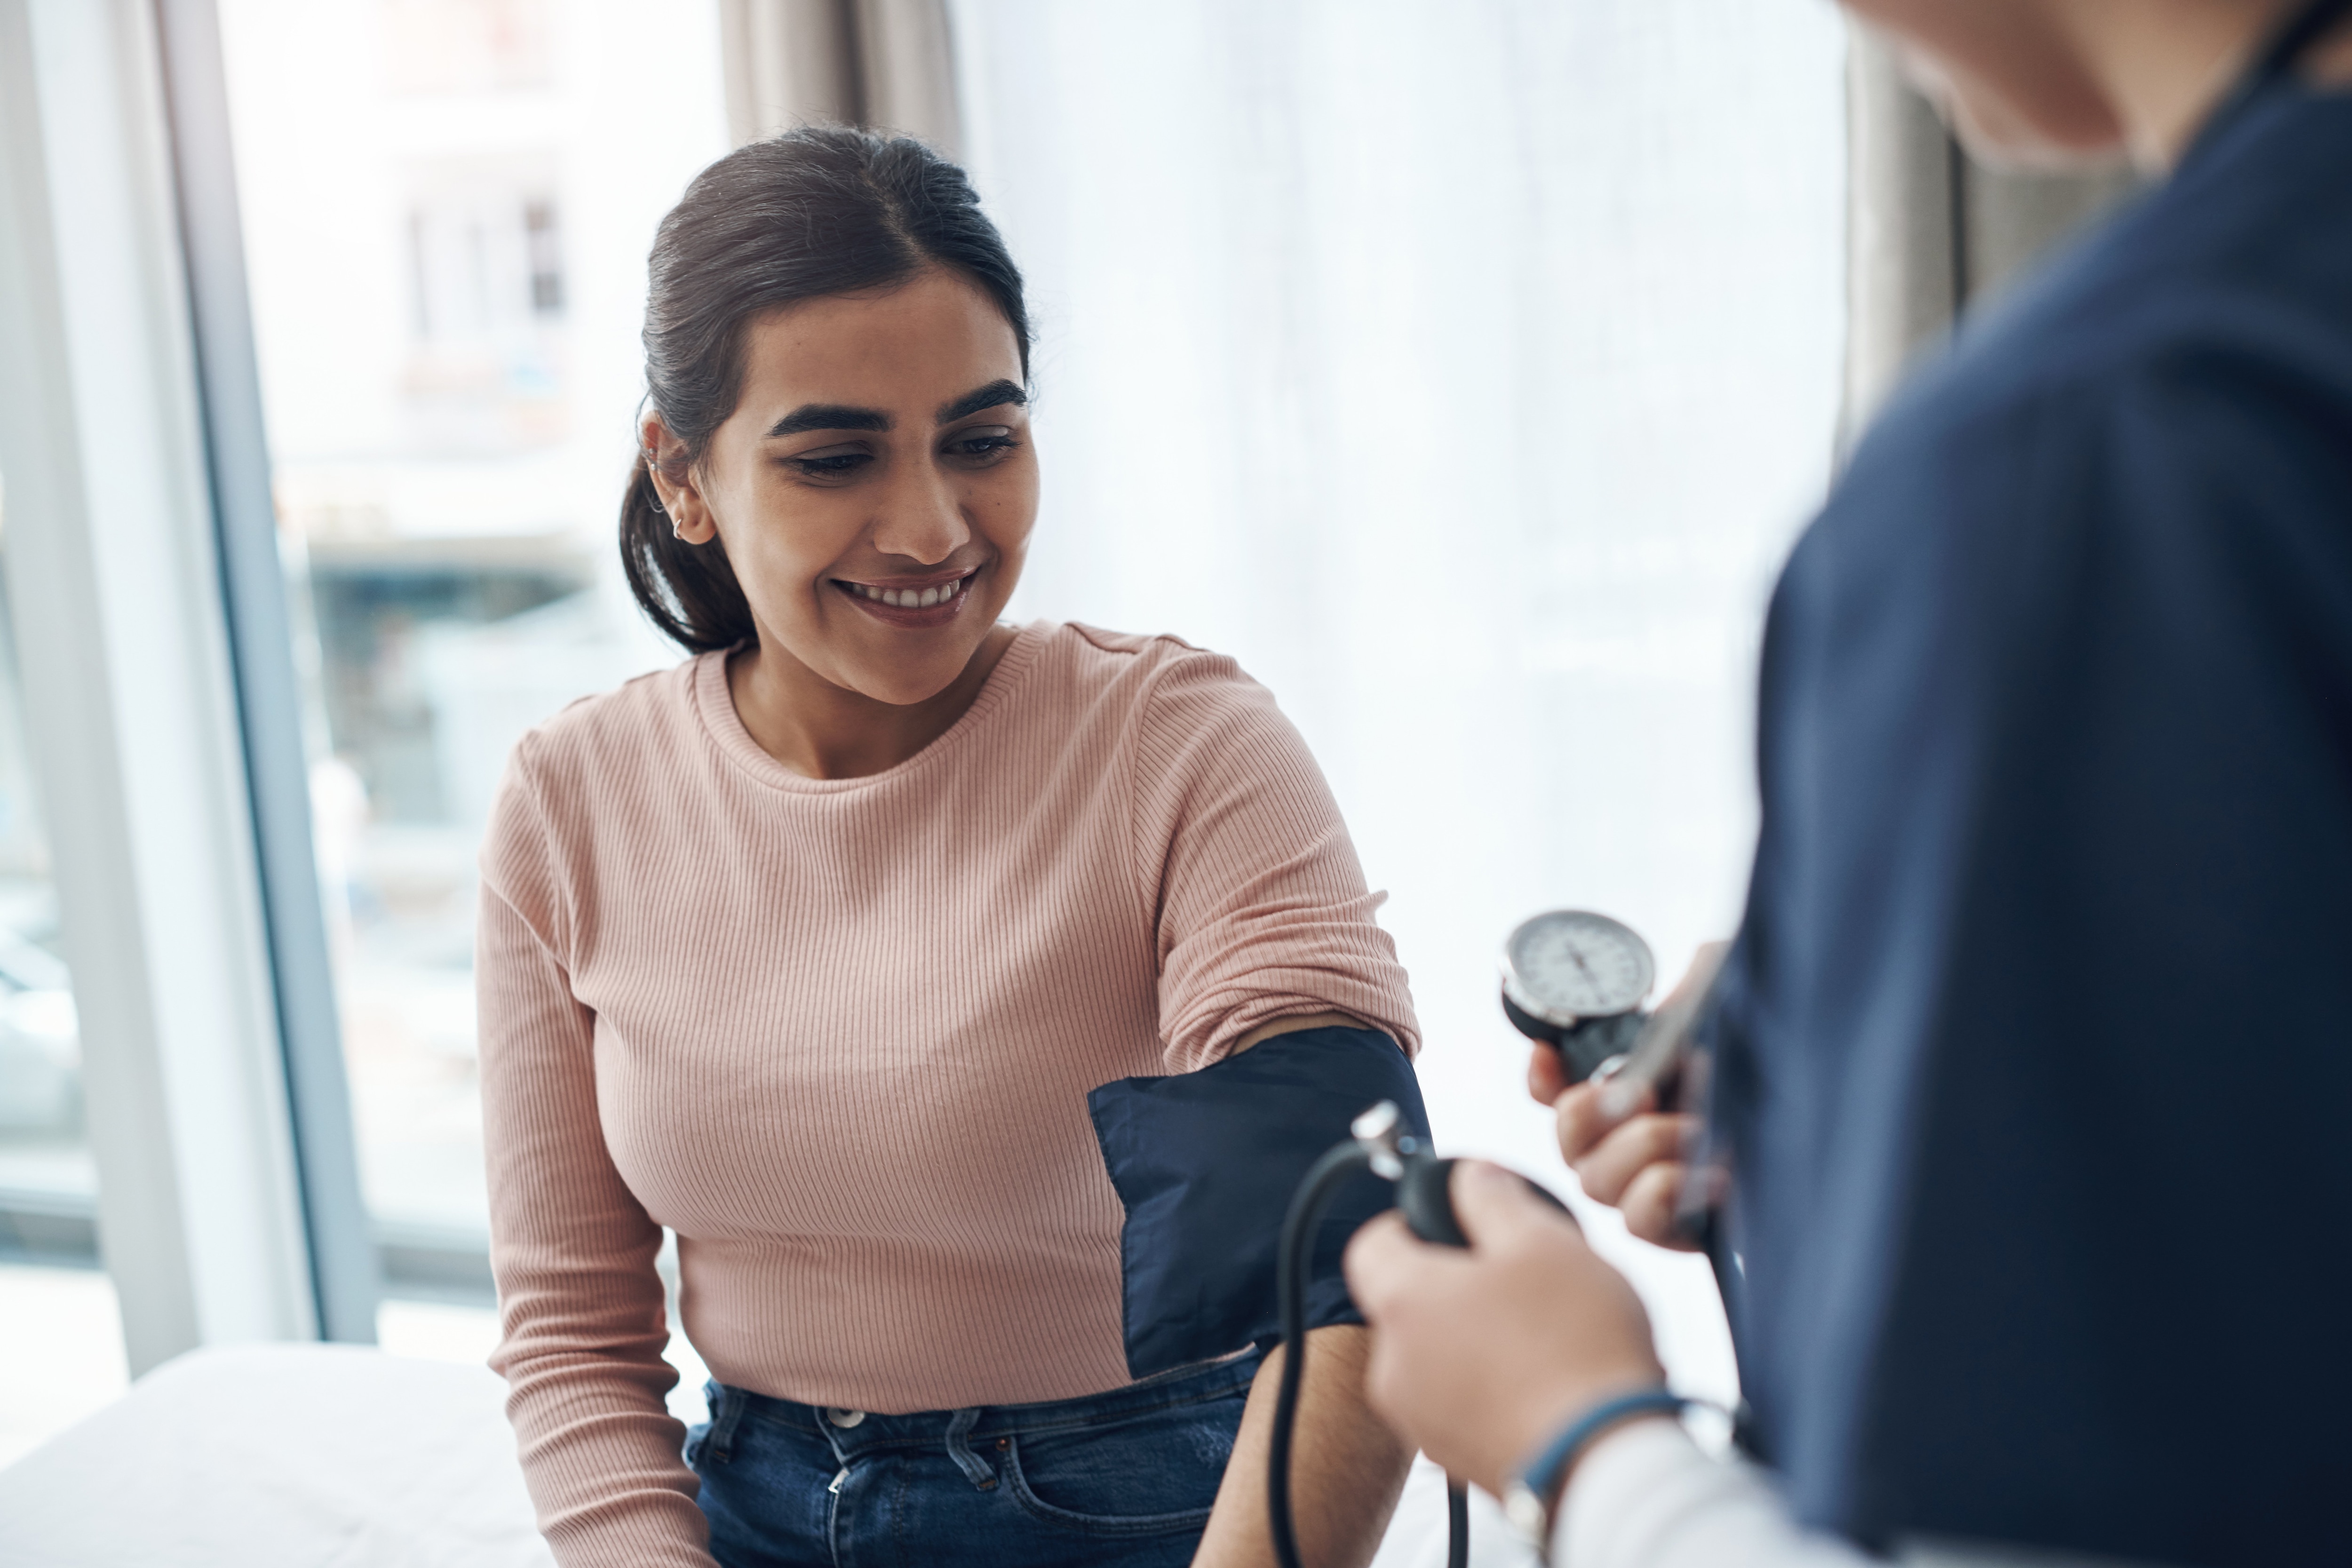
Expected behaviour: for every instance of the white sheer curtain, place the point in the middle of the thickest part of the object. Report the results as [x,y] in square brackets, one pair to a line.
[1465,369]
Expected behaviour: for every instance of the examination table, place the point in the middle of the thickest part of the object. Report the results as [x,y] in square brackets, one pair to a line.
[338,1456]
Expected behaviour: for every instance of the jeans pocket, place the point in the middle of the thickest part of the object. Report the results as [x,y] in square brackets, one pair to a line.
[1151,1477]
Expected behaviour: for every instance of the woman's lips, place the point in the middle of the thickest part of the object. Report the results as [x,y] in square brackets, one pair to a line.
[902,604]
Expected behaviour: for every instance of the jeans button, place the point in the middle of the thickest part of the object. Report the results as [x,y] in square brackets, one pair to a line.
[841,1418]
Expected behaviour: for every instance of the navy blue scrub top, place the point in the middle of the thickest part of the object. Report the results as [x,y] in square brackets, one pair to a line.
[2035,1054]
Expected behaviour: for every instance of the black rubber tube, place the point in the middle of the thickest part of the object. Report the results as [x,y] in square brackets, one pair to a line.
[1295,1257]
[1292,1262]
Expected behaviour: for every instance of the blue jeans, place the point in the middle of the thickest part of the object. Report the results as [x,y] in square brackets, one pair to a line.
[1123,1478]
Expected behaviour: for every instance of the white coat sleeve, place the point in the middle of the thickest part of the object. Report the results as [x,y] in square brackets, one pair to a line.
[1646,1497]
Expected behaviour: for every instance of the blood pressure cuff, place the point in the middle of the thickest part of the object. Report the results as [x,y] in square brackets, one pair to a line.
[1206,1164]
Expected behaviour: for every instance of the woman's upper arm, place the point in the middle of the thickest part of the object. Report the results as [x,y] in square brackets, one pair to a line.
[1258,904]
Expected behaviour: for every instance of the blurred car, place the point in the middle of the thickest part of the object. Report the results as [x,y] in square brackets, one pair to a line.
[40,1041]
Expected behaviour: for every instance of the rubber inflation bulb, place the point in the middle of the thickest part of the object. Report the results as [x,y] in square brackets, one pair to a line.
[1424,1193]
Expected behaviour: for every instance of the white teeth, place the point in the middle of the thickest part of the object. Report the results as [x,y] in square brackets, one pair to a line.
[912,598]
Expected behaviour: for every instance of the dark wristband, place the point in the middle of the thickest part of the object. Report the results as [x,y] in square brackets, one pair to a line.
[1534,1492]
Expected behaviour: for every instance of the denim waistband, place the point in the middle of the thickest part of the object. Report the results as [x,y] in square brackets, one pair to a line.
[873,1430]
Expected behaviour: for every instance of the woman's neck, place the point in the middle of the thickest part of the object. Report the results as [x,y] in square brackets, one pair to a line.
[2166,65]
[827,732]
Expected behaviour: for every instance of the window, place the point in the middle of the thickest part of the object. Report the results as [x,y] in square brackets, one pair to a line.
[469,45]
[448,205]
[56,1308]
[44,1165]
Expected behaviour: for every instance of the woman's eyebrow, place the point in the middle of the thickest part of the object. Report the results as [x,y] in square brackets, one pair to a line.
[828,416]
[988,396]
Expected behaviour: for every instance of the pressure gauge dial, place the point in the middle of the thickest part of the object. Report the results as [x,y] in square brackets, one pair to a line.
[1575,979]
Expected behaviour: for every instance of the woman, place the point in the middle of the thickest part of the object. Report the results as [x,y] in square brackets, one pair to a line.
[814,948]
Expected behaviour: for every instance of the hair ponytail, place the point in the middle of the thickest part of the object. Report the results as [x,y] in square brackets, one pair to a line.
[819,211]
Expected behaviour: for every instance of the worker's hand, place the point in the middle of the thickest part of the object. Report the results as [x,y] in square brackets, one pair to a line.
[1478,1356]
[1628,1155]
[1624,1150]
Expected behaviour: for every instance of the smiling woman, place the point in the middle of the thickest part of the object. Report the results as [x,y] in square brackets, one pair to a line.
[853,949]
[875,479]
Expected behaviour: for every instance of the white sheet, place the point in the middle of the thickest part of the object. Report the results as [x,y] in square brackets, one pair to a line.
[336,1456]
[280,1456]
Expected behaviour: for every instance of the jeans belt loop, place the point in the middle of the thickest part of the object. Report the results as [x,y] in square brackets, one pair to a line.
[975,1468]
[719,1446]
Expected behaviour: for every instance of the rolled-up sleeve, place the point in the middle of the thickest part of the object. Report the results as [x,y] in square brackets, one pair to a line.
[1257,901]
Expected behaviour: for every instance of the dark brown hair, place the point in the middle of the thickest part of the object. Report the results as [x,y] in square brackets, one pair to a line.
[823,210]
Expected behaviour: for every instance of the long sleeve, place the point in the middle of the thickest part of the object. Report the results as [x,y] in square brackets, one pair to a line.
[1647,1497]
[1256,896]
[580,1304]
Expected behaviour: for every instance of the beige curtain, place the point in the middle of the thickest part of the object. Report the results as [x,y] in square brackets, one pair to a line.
[889,64]
[1929,229]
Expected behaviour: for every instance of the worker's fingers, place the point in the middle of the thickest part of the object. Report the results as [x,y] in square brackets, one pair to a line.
[1547,1075]
[1585,1115]
[1493,1205]
[1611,1165]
[1383,1257]
[1652,1203]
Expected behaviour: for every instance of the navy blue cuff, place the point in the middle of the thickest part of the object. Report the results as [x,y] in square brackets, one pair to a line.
[1205,1164]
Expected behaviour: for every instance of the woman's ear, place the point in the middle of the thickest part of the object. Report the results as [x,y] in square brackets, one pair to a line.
[681,497]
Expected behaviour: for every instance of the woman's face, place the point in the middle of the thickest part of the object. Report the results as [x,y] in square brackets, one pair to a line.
[874,486]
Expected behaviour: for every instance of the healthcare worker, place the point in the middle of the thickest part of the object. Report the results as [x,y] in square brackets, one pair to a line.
[2031,1057]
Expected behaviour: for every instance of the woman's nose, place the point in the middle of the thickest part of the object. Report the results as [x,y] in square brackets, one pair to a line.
[922,517]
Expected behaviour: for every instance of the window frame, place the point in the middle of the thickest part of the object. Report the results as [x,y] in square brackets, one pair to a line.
[161,702]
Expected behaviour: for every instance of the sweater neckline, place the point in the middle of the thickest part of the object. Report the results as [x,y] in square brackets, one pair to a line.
[714,705]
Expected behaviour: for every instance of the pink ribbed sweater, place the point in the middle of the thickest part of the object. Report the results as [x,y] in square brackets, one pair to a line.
[838,1034]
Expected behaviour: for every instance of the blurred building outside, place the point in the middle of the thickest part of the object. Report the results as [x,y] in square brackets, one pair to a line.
[44,1167]
[448,205]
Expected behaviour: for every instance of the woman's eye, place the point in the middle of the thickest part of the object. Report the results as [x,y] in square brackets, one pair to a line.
[833,464]
[983,448]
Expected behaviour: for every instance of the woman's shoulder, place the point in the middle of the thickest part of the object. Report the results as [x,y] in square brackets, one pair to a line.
[596,747]
[1178,710]
[1144,669]
[639,715]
